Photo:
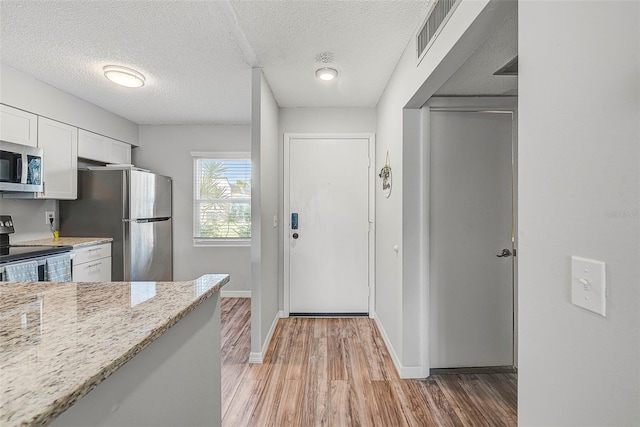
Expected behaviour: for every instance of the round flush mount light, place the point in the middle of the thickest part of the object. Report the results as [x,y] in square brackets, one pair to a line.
[123,76]
[326,74]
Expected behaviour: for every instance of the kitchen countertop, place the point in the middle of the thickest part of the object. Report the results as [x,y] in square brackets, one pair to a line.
[59,340]
[76,242]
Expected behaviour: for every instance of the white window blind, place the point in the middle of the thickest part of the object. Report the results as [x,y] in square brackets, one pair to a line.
[222,198]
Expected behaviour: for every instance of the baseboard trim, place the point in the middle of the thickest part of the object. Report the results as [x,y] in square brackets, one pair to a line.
[413,373]
[235,294]
[258,357]
[387,342]
[405,372]
[255,357]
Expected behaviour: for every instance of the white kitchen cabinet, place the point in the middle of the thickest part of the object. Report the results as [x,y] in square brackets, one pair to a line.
[18,126]
[120,152]
[92,263]
[60,159]
[94,271]
[102,149]
[92,146]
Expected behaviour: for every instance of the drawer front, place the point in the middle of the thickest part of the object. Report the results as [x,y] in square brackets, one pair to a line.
[92,253]
[93,271]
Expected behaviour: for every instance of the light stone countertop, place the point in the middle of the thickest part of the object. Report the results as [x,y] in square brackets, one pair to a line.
[76,242]
[59,340]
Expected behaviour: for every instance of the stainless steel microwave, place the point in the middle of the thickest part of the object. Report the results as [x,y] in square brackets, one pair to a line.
[21,168]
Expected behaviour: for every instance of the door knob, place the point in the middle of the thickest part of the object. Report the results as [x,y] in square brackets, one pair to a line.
[295,235]
[505,253]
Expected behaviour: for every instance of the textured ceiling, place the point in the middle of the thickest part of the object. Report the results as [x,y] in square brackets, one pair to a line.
[197,55]
[195,71]
[365,38]
[475,77]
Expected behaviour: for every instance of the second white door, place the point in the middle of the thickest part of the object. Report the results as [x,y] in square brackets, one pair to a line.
[328,221]
[471,293]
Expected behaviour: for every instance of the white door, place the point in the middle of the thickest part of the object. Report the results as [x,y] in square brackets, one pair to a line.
[328,189]
[471,293]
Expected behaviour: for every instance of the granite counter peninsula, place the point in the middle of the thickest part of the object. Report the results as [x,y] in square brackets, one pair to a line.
[67,353]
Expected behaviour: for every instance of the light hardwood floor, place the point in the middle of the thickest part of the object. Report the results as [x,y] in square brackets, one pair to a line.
[337,372]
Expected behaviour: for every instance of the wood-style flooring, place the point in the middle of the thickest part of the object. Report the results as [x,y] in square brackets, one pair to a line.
[337,372]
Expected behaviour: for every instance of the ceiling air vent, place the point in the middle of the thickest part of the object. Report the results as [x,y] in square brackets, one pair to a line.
[441,11]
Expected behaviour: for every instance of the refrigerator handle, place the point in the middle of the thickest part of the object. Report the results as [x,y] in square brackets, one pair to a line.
[145,220]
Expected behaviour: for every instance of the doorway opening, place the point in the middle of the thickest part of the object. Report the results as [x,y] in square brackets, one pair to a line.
[472,313]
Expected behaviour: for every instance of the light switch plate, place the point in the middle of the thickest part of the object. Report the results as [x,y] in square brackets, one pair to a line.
[588,284]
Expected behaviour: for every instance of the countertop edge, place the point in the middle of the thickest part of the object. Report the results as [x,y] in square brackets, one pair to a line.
[58,407]
[67,241]
[94,243]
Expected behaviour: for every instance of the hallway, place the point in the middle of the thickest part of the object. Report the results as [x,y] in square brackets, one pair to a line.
[337,372]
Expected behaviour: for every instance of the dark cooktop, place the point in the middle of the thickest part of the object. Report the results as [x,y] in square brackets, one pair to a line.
[20,253]
[10,253]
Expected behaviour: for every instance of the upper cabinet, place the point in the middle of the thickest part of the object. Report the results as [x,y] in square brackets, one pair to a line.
[102,149]
[120,152]
[60,158]
[62,144]
[92,146]
[18,126]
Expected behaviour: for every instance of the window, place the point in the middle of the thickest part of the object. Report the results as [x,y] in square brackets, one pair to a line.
[221,198]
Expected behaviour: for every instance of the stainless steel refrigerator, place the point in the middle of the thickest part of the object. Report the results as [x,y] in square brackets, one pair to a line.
[134,208]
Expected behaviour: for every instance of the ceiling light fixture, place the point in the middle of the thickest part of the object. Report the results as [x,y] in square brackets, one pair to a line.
[124,76]
[326,74]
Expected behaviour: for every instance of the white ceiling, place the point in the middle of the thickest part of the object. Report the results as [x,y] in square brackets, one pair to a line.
[366,39]
[197,55]
[475,77]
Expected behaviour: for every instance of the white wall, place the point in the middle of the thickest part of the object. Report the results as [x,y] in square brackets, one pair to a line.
[401,283]
[579,195]
[328,120]
[28,218]
[26,93]
[315,120]
[166,150]
[264,207]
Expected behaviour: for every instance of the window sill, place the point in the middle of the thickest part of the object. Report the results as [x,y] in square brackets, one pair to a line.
[197,243]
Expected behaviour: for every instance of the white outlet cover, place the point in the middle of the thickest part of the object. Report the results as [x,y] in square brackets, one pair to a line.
[588,284]
[47,215]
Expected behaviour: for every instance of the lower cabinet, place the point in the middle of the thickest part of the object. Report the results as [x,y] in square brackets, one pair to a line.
[92,263]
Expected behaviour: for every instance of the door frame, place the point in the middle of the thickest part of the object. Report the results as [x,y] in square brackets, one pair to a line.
[287,217]
[475,104]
